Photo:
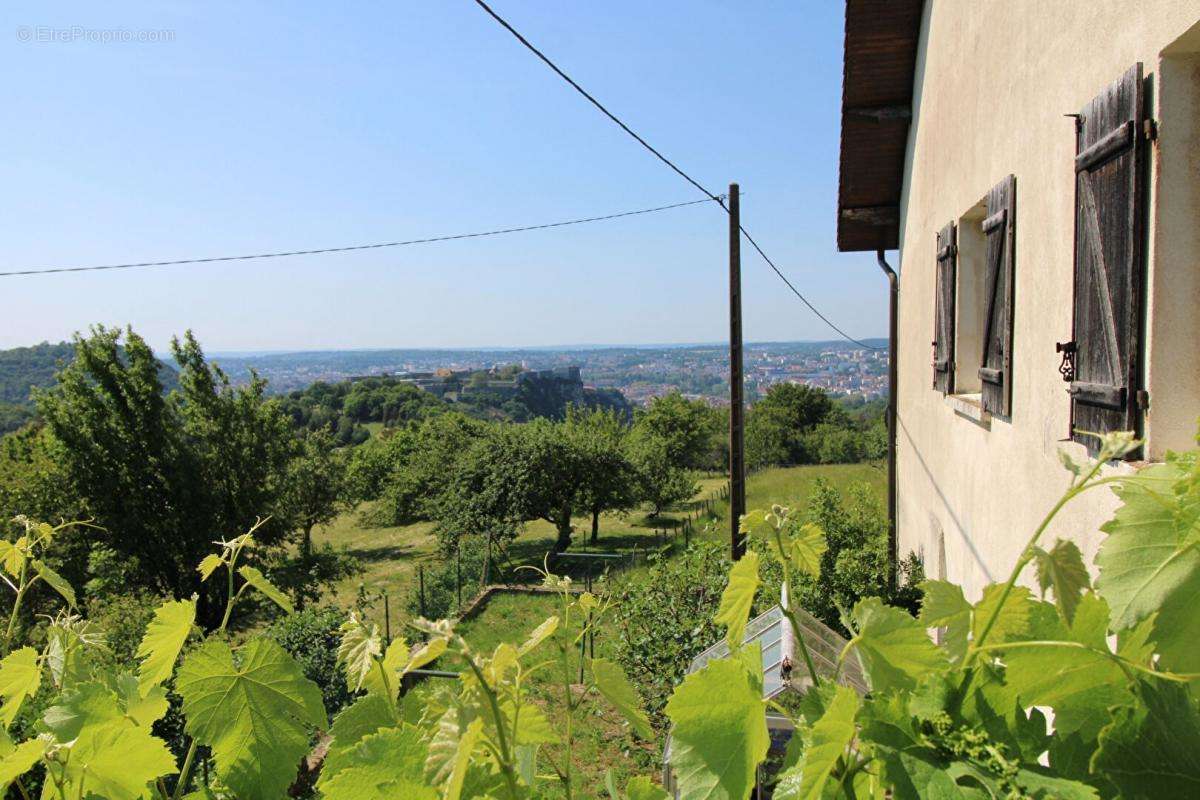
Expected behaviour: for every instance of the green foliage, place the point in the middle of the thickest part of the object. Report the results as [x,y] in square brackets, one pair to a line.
[176,468]
[164,639]
[663,617]
[737,599]
[959,719]
[255,715]
[311,637]
[619,692]
[824,749]
[854,563]
[720,733]
[682,426]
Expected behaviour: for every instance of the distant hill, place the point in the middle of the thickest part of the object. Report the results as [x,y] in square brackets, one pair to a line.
[24,368]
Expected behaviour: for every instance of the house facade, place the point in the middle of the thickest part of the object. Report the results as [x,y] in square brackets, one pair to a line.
[1037,165]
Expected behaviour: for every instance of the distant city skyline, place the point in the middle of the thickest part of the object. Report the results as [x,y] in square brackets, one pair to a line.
[248,131]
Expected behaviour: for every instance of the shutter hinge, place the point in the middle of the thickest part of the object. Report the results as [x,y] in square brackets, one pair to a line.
[1150,129]
[1067,367]
[1143,399]
[1078,121]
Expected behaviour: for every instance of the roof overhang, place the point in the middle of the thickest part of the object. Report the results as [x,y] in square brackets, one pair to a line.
[877,93]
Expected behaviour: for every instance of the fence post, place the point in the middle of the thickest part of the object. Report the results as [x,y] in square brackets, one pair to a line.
[458,576]
[387,618]
[421,579]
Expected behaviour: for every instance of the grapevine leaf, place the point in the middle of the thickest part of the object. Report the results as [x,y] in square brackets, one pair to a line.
[462,760]
[805,547]
[539,635]
[66,656]
[56,582]
[1062,570]
[720,733]
[143,710]
[642,788]
[88,706]
[1177,627]
[118,762]
[444,744]
[368,714]
[164,638]
[734,610]
[361,645]
[1041,783]
[394,659]
[16,760]
[260,582]
[758,524]
[895,650]
[209,565]
[383,766]
[430,651]
[944,606]
[255,715]
[20,677]
[1134,644]
[1141,560]
[617,690]
[825,743]
[534,728]
[1152,749]
[1080,685]
[14,556]
[1015,617]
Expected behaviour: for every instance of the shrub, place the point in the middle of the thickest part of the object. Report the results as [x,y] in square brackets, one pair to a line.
[662,618]
[855,565]
[441,582]
[311,637]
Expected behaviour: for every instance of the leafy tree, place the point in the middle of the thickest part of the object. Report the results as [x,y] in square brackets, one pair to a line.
[314,486]
[314,493]
[855,563]
[607,479]
[514,474]
[661,482]
[163,475]
[681,427]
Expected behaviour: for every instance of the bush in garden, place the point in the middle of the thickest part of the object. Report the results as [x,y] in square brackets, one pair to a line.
[311,636]
[442,581]
[663,618]
[855,563]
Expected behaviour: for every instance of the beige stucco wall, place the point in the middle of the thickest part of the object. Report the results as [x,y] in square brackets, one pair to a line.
[992,84]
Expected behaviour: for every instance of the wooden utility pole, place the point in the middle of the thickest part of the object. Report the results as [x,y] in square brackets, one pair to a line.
[737,460]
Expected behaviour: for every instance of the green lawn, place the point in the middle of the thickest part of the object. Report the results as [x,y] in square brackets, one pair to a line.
[390,556]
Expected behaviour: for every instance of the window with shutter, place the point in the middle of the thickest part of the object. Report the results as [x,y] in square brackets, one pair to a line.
[1109,212]
[999,229]
[943,317]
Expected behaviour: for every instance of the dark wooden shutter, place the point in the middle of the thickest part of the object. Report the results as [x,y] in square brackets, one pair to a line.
[1109,212]
[943,316]
[999,229]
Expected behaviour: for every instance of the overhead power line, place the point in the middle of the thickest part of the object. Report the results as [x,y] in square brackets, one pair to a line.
[718,199]
[349,248]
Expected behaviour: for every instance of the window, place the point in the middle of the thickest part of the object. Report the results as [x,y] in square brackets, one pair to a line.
[974,304]
[972,299]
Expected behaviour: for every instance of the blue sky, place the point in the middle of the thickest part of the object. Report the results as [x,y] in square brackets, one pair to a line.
[252,130]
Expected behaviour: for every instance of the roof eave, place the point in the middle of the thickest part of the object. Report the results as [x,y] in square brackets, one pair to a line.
[879,62]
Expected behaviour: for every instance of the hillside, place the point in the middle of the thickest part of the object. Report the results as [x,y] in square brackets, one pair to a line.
[22,369]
